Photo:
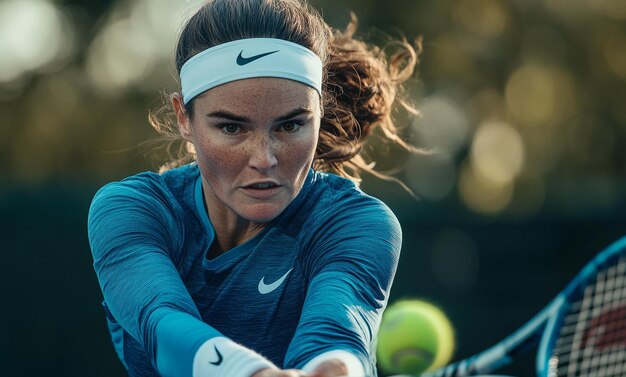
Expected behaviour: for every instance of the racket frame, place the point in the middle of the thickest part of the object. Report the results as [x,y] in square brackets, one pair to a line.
[543,328]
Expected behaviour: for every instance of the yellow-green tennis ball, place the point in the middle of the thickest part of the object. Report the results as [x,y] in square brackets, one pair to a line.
[414,337]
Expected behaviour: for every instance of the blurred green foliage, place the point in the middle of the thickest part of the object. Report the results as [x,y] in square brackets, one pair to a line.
[522,101]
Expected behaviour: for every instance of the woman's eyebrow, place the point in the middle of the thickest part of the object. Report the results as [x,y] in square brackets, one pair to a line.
[228,115]
[294,113]
[238,118]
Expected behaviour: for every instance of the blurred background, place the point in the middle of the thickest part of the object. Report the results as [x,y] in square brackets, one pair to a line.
[522,102]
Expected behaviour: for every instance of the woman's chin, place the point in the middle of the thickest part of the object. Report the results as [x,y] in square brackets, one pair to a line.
[262,213]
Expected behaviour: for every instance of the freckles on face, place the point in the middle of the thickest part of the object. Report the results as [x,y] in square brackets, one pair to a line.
[255,141]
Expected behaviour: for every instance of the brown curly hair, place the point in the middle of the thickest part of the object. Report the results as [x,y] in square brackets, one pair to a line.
[360,86]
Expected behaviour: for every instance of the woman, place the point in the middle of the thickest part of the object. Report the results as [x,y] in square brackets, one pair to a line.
[249,260]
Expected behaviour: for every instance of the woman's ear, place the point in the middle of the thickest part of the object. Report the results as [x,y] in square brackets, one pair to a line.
[182,118]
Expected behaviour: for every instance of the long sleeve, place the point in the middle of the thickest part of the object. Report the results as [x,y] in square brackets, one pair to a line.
[351,269]
[130,232]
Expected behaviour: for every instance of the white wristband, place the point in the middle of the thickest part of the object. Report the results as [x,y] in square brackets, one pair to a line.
[221,357]
[352,363]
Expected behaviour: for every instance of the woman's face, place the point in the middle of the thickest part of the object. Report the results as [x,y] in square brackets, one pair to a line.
[255,141]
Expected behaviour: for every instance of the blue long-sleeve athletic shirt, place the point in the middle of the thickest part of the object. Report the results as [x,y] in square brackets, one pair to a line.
[315,279]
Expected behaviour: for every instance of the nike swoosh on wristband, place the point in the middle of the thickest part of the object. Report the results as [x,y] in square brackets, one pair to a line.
[267,288]
[243,61]
[220,358]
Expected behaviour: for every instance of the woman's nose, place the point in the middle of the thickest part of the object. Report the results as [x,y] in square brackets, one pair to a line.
[262,154]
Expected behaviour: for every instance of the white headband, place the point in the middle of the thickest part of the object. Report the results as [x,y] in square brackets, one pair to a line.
[246,58]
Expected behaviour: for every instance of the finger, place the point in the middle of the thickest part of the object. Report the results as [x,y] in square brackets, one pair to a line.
[330,368]
[283,373]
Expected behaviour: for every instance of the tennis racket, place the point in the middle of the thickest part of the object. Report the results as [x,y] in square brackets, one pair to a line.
[581,333]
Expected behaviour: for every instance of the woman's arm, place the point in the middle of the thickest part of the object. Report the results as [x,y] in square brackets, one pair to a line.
[351,267]
[131,233]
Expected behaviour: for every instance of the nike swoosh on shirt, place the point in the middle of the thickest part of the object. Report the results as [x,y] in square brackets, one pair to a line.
[243,61]
[219,358]
[267,288]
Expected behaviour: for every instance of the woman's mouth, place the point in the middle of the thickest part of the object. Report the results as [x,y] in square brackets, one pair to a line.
[264,185]
[262,190]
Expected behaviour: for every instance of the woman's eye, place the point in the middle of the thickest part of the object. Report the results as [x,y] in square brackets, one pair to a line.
[290,127]
[230,128]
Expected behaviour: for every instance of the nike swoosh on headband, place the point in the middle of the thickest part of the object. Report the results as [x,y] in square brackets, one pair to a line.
[243,61]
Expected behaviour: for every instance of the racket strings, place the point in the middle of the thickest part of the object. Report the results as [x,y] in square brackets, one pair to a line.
[592,340]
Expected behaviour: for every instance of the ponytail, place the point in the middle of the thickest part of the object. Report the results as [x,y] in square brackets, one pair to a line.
[362,89]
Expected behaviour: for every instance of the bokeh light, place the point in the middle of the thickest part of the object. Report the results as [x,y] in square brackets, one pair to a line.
[539,95]
[486,18]
[482,194]
[110,56]
[136,40]
[33,35]
[442,126]
[497,152]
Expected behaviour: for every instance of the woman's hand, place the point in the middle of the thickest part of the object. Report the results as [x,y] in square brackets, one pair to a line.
[269,372]
[330,368]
